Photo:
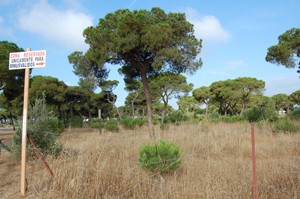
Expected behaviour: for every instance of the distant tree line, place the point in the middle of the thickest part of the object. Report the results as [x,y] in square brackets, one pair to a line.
[152,49]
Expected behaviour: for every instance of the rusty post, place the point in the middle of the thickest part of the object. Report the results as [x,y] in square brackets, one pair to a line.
[40,155]
[254,193]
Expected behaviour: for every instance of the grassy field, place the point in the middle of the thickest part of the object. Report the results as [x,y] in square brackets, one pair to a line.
[216,164]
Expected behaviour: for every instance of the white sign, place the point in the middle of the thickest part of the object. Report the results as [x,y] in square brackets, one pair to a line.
[28,59]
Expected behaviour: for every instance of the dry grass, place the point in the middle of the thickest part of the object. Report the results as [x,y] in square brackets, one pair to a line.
[216,164]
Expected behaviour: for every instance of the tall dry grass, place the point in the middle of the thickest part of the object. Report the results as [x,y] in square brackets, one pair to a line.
[216,164]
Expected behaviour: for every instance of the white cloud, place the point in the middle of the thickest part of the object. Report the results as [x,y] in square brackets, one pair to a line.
[3,30]
[207,27]
[285,83]
[5,2]
[62,26]
[74,4]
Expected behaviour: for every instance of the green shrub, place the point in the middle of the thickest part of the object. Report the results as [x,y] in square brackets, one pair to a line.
[256,114]
[295,114]
[253,114]
[156,119]
[214,117]
[232,118]
[161,157]
[127,123]
[112,125]
[138,122]
[132,123]
[176,117]
[56,125]
[285,125]
[43,128]
[94,123]
[198,117]
[76,122]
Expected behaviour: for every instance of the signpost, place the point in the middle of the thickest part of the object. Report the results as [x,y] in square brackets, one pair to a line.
[26,60]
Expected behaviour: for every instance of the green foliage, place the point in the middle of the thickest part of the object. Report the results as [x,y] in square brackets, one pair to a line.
[130,123]
[53,89]
[11,81]
[156,119]
[232,96]
[43,127]
[287,50]
[256,114]
[295,114]
[214,117]
[127,123]
[144,43]
[198,117]
[286,125]
[281,101]
[176,117]
[295,98]
[94,123]
[232,118]
[76,122]
[168,85]
[161,157]
[112,125]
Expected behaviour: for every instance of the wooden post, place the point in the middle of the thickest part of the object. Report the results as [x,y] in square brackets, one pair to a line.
[24,131]
[253,162]
[100,126]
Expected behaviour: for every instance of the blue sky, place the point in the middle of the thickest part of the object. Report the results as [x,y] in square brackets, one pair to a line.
[236,35]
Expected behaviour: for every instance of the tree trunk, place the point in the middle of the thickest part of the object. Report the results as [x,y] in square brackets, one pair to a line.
[164,111]
[206,110]
[118,112]
[11,119]
[242,111]
[149,104]
[89,108]
[113,103]
[132,103]
[12,122]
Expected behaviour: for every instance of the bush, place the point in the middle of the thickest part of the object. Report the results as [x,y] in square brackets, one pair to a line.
[214,117]
[130,123]
[127,123]
[43,128]
[176,117]
[232,118]
[94,123]
[56,125]
[112,125]
[295,114]
[256,114]
[76,122]
[198,118]
[161,157]
[253,114]
[285,125]
[138,122]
